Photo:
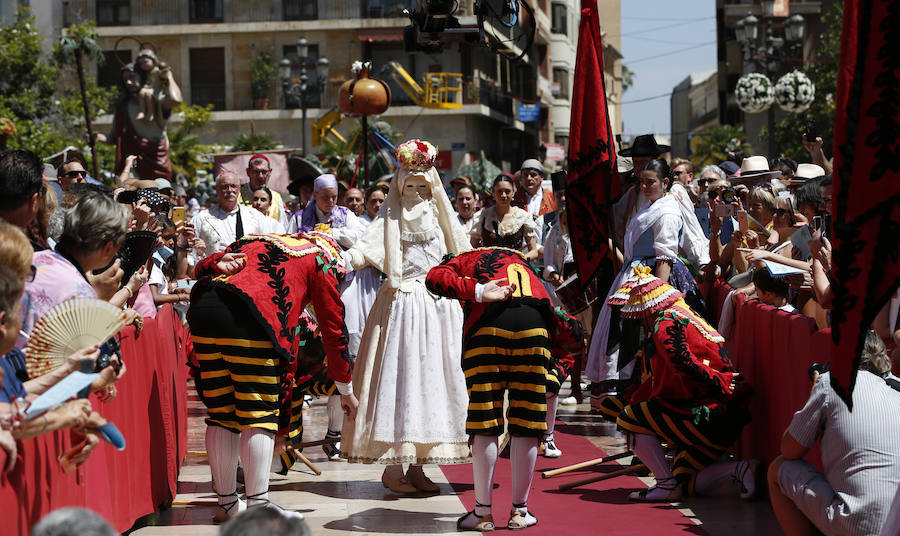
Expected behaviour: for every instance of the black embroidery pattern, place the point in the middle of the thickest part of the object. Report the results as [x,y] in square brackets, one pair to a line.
[587,199]
[269,264]
[488,265]
[680,356]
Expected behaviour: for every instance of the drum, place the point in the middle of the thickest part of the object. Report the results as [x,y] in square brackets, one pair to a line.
[574,297]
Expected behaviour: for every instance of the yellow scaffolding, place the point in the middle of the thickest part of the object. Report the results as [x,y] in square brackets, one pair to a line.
[438,90]
[324,126]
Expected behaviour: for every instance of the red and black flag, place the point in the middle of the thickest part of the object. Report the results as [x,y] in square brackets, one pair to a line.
[866,181]
[591,183]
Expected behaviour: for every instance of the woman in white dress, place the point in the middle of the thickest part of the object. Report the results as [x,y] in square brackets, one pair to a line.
[407,373]
[503,224]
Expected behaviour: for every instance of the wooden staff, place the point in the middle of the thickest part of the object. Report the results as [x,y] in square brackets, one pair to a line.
[622,472]
[583,465]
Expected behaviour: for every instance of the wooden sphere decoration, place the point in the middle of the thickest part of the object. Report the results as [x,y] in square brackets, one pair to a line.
[364,95]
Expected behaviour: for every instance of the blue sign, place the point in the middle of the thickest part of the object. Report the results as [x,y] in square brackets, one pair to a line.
[458,146]
[529,112]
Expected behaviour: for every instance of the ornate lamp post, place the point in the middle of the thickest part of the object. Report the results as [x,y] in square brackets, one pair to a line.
[300,90]
[773,53]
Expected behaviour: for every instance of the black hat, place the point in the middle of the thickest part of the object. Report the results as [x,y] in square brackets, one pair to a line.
[645,145]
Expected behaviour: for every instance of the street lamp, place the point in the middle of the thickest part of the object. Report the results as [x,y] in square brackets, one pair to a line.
[769,56]
[301,90]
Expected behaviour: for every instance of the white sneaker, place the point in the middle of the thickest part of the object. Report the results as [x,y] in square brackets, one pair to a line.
[568,401]
[549,447]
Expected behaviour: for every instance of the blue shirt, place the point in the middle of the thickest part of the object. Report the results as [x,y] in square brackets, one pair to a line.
[12,385]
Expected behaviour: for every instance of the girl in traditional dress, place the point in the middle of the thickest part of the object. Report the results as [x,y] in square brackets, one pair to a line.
[503,224]
[407,370]
[652,239]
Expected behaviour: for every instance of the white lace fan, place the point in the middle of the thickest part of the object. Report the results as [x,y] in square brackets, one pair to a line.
[68,327]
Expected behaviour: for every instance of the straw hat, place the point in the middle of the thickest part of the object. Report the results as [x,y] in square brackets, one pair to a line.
[806,172]
[644,295]
[753,168]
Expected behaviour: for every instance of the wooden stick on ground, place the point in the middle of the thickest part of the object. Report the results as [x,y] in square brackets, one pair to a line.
[583,465]
[607,476]
[308,463]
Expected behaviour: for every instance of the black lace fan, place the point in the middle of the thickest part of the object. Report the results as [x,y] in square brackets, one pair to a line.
[135,252]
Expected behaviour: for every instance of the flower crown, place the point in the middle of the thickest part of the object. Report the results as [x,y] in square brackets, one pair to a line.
[416,155]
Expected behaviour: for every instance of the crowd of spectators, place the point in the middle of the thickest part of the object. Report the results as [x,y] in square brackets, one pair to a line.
[760,225]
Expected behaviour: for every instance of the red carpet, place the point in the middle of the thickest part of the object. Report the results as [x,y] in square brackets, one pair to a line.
[598,508]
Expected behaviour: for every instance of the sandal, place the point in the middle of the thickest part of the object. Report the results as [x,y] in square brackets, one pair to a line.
[755,469]
[269,504]
[519,520]
[655,493]
[484,523]
[224,511]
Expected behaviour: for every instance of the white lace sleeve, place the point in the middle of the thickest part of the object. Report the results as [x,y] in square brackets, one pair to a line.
[666,231]
[530,227]
[347,235]
[475,233]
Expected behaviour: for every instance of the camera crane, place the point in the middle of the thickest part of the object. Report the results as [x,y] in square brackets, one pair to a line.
[505,26]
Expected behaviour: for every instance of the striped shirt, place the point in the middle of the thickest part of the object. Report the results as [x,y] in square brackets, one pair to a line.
[860,450]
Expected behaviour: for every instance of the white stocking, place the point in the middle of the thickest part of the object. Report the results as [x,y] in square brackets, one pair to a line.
[223,448]
[484,459]
[523,455]
[552,404]
[335,414]
[256,455]
[647,448]
[713,477]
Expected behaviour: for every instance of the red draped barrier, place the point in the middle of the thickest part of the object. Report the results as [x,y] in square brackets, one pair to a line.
[773,351]
[150,411]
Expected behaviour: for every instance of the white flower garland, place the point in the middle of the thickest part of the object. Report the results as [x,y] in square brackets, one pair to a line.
[795,92]
[754,93]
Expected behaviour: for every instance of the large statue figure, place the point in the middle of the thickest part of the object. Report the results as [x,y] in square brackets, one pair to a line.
[136,132]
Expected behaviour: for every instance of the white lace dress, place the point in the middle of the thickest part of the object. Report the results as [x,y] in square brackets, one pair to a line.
[411,388]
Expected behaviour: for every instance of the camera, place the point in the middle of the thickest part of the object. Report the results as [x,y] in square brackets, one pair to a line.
[821,368]
[728,195]
[107,350]
[809,132]
[127,196]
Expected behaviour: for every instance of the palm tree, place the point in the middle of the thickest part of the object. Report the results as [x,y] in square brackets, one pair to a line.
[713,145]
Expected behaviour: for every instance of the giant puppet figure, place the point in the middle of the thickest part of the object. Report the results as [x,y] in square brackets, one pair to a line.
[146,86]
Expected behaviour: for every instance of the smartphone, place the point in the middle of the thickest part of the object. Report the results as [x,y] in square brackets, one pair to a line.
[743,222]
[810,131]
[127,196]
[178,218]
[817,222]
[826,224]
[725,210]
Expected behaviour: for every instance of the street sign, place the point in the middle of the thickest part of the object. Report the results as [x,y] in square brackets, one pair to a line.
[555,152]
[458,146]
[529,112]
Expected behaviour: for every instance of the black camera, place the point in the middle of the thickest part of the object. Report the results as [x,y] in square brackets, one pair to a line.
[729,195]
[127,196]
[821,368]
[107,350]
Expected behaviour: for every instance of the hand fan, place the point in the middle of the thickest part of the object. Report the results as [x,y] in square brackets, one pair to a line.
[135,252]
[68,327]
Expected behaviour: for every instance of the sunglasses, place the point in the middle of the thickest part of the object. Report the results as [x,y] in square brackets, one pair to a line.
[29,277]
[780,212]
[77,172]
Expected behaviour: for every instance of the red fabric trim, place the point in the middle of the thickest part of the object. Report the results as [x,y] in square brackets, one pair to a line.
[150,411]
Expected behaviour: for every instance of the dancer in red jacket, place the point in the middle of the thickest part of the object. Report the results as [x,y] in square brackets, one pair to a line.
[244,315]
[513,341]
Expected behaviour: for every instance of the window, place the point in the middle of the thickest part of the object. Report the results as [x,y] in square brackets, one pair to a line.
[301,9]
[206,11]
[113,12]
[559,23]
[290,52]
[110,72]
[208,77]
[560,83]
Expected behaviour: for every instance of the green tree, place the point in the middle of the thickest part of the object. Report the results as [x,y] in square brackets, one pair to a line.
[185,150]
[712,146]
[258,141]
[47,119]
[824,74]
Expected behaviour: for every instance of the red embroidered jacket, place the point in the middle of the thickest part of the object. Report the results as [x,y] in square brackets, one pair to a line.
[548,203]
[283,274]
[687,365]
[456,278]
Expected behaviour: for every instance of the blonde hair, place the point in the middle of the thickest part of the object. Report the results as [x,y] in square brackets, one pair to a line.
[874,356]
[15,249]
[763,196]
[682,162]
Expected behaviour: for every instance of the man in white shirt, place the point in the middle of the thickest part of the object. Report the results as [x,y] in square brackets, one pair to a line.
[258,172]
[530,196]
[225,222]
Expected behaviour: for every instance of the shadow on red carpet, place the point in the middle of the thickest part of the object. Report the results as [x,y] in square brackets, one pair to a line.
[598,508]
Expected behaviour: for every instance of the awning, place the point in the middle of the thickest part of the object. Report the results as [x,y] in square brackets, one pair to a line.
[382,35]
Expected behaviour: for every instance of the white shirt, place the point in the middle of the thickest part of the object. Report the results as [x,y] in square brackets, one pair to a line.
[217,228]
[534,202]
[557,251]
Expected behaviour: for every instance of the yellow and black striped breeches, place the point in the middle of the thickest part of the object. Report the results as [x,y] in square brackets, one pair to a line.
[498,359]
[694,444]
[240,368]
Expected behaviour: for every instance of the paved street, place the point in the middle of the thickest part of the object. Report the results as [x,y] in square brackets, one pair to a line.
[349,499]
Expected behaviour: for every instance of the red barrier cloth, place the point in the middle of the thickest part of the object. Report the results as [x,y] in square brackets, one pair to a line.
[866,257]
[591,184]
[150,411]
[773,350]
